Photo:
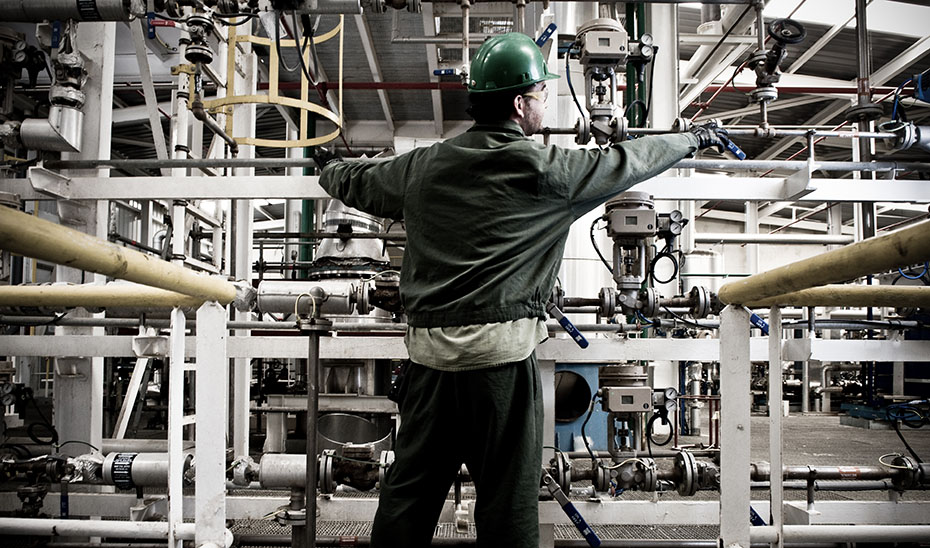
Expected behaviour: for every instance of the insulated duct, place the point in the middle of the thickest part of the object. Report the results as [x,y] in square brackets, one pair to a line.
[61,131]
[36,11]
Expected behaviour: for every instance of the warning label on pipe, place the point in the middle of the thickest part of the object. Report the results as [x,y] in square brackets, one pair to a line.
[88,10]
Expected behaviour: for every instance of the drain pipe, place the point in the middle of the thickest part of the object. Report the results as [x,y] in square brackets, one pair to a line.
[201,114]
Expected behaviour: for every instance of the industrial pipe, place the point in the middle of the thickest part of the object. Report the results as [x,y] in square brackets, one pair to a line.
[199,113]
[97,528]
[94,296]
[843,533]
[36,11]
[901,296]
[737,238]
[34,237]
[61,131]
[904,247]
[198,163]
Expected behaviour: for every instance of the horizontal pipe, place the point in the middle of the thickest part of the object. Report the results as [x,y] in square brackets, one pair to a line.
[760,165]
[33,237]
[782,239]
[93,528]
[903,296]
[844,533]
[94,296]
[908,246]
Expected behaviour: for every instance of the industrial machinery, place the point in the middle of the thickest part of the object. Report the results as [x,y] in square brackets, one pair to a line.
[197,343]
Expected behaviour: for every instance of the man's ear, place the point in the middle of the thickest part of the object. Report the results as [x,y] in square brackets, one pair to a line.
[519,106]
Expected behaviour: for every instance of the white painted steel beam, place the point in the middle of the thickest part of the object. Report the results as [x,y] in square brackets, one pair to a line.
[372,57]
[561,350]
[432,61]
[151,99]
[307,187]
[735,373]
[776,491]
[737,238]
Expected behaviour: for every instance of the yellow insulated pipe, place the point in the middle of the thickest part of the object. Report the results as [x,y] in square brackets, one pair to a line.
[34,237]
[904,247]
[94,296]
[899,296]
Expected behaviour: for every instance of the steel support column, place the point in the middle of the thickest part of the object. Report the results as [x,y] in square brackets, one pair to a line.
[734,427]
[776,491]
[212,409]
[176,427]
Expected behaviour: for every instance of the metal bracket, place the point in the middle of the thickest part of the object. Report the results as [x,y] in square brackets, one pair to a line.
[798,184]
[150,347]
[49,182]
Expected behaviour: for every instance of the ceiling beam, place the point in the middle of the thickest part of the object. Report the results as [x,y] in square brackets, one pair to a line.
[364,33]
[432,59]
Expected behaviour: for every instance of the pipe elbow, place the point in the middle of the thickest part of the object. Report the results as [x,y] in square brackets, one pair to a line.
[61,131]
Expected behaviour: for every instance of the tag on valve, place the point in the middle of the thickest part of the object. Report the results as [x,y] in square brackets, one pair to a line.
[567,325]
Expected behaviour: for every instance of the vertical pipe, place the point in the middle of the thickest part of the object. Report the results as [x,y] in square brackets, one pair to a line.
[313,407]
[466,35]
[734,426]
[175,427]
[776,491]
[519,21]
[864,95]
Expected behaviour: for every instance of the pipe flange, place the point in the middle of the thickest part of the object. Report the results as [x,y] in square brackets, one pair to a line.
[620,126]
[66,96]
[202,21]
[362,302]
[756,57]
[908,473]
[327,483]
[648,302]
[601,479]
[681,125]
[608,296]
[294,518]
[700,302]
[385,462]
[244,471]
[563,472]
[763,94]
[197,53]
[650,480]
[863,113]
[687,465]
[582,131]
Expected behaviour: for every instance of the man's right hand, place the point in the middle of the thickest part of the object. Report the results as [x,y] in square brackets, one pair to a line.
[710,134]
[323,157]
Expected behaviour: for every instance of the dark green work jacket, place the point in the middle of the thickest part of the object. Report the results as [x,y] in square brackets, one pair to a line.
[487,214]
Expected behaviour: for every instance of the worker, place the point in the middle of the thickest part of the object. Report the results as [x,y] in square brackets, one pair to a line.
[487,214]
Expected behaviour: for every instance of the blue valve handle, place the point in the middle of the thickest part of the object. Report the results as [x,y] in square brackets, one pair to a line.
[732,147]
[567,325]
[755,320]
[544,37]
[445,72]
[573,514]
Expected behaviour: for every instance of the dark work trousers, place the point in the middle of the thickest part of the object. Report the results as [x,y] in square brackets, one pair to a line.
[490,419]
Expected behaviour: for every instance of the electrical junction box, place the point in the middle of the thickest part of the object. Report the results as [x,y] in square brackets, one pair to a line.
[631,222]
[626,399]
[604,47]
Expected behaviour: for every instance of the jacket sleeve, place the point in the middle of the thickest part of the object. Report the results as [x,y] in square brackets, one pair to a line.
[592,176]
[375,187]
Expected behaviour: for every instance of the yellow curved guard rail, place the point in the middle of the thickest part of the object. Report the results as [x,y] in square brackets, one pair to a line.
[225,104]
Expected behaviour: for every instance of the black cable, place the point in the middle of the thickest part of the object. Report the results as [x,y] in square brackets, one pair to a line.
[277,44]
[652,266]
[684,321]
[587,446]
[597,249]
[892,413]
[60,445]
[53,434]
[239,23]
[568,80]
[665,421]
[308,38]
[644,110]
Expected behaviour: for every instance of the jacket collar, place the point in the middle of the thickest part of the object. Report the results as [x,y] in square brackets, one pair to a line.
[507,126]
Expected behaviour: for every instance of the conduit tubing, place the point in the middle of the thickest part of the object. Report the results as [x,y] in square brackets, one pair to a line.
[94,296]
[852,295]
[40,239]
[844,533]
[96,528]
[908,246]
[793,239]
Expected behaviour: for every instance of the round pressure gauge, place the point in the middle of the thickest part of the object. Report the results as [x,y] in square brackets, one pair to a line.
[675,216]
[646,39]
[646,50]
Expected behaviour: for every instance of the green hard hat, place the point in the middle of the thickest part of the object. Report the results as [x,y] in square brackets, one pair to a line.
[507,61]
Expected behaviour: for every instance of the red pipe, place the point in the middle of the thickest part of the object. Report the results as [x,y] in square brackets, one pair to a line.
[326,86]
